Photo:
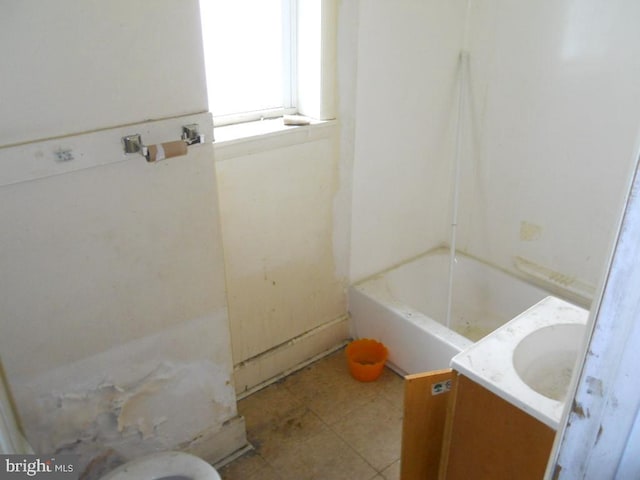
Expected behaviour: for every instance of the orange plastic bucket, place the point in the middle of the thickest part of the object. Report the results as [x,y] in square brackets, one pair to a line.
[366,358]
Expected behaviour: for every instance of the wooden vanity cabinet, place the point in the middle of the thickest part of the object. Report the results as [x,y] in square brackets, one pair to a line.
[455,429]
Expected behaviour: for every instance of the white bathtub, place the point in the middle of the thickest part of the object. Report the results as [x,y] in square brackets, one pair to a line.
[405,308]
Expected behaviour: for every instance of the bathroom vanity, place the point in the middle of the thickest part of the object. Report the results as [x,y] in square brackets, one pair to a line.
[495,413]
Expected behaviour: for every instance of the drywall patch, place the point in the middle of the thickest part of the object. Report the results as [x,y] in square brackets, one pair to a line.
[530,231]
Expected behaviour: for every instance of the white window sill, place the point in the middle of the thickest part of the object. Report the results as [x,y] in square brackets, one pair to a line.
[252,137]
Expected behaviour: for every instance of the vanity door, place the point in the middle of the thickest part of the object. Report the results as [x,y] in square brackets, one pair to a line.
[487,438]
[427,398]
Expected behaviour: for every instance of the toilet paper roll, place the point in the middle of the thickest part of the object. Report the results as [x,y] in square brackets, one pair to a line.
[166,150]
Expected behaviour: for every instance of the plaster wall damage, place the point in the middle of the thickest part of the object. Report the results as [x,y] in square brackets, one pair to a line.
[152,394]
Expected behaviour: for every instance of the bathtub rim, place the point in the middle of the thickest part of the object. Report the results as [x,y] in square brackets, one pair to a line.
[553,288]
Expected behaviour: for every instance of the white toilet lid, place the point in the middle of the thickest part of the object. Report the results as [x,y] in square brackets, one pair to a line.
[180,466]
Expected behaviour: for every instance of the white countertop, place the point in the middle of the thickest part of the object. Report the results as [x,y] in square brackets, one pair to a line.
[489,362]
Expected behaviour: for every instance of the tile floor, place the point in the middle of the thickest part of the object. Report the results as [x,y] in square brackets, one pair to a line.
[321,424]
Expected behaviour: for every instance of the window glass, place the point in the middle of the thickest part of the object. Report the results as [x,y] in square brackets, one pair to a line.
[244,55]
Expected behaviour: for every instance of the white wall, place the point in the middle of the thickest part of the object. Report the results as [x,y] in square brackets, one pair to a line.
[553,129]
[550,131]
[285,206]
[114,63]
[281,208]
[115,334]
[407,60]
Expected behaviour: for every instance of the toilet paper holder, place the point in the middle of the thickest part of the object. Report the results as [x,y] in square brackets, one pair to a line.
[190,136]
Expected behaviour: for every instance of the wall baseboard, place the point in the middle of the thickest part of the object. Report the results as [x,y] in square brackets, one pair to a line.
[215,447]
[270,366]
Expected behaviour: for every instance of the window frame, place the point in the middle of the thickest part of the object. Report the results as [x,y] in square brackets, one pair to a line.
[289,96]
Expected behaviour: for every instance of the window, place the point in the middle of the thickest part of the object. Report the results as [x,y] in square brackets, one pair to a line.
[250,56]
[265,58]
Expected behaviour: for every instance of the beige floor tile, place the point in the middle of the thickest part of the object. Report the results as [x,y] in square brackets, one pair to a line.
[327,369]
[374,431]
[392,387]
[267,405]
[392,472]
[321,424]
[328,389]
[322,457]
[249,467]
[275,440]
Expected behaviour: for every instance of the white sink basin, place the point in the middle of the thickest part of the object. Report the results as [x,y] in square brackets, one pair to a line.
[529,360]
[545,358]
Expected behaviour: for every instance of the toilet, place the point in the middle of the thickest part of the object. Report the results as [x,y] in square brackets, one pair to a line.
[164,466]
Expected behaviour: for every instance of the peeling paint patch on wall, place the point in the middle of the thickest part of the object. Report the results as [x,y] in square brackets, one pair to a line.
[152,394]
[172,401]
